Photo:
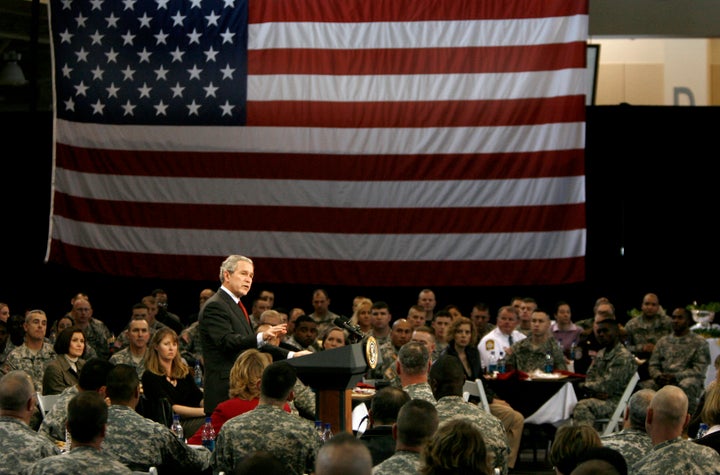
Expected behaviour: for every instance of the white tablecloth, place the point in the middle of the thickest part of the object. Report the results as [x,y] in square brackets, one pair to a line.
[556,409]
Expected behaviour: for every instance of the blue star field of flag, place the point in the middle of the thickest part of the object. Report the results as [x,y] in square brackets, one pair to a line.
[160,62]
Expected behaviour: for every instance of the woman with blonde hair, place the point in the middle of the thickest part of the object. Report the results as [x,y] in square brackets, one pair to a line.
[245,377]
[168,376]
[362,316]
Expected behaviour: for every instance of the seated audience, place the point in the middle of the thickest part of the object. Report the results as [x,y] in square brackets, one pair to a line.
[93,378]
[269,428]
[245,378]
[529,354]
[457,447]
[571,441]
[167,376]
[633,442]
[305,333]
[382,415]
[64,370]
[672,453]
[260,462]
[601,461]
[563,330]
[136,353]
[19,444]
[87,424]
[416,423]
[412,367]
[343,455]
[334,337]
[696,416]
[159,447]
[59,325]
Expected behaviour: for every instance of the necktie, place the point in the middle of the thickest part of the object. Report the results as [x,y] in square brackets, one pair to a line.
[242,307]
[510,341]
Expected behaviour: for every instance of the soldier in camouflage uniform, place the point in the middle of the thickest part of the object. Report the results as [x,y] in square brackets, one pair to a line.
[417,421]
[93,378]
[190,344]
[268,427]
[447,378]
[385,369]
[303,404]
[644,331]
[137,352]
[160,447]
[87,420]
[35,353]
[528,355]
[608,376]
[672,453]
[412,368]
[19,444]
[140,311]
[633,442]
[680,359]
[97,335]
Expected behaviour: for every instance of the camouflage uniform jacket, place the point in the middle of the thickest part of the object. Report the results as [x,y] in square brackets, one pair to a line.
[99,337]
[291,439]
[125,357]
[493,431]
[385,368]
[123,340]
[678,456]
[21,446]
[84,459]
[633,444]
[402,462]
[640,330]
[53,424]
[527,357]
[610,372]
[304,402]
[32,363]
[420,391]
[192,350]
[685,357]
[158,448]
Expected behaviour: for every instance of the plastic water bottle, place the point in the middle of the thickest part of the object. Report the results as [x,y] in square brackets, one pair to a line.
[327,433]
[548,363]
[177,428]
[208,435]
[319,428]
[501,363]
[198,374]
[701,430]
[492,364]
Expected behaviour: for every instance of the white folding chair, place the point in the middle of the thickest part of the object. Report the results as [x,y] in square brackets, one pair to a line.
[46,402]
[613,423]
[476,388]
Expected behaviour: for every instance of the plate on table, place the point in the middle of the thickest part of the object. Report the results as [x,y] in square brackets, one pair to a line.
[363,393]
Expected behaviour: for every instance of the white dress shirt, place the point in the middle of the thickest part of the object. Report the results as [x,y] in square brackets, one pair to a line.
[496,341]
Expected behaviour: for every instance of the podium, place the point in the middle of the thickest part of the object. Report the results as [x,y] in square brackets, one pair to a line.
[332,374]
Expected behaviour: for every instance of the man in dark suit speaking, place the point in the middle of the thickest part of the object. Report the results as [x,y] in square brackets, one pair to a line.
[225,330]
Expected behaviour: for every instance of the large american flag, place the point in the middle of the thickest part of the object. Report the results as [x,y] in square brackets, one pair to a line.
[341,142]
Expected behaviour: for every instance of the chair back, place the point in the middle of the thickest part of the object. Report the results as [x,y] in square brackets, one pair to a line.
[617,416]
[46,402]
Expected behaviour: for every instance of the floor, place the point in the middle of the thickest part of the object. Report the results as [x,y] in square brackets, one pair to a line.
[533,458]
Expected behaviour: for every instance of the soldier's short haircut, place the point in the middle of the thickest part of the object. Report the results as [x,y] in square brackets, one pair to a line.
[417,421]
[386,404]
[638,405]
[93,375]
[303,319]
[413,357]
[87,416]
[278,380]
[122,382]
[16,388]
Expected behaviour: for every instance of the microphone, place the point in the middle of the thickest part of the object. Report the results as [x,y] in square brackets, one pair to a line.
[353,329]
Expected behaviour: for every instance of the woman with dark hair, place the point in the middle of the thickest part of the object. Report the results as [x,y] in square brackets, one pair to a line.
[63,371]
[460,335]
[59,325]
[457,447]
[168,376]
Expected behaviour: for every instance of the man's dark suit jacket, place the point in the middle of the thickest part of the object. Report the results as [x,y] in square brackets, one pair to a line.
[225,333]
[712,441]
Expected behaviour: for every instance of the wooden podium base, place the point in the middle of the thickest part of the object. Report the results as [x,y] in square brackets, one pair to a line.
[335,406]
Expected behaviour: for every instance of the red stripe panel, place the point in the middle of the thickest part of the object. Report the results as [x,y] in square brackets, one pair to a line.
[347,273]
[323,220]
[502,59]
[417,114]
[261,11]
[323,167]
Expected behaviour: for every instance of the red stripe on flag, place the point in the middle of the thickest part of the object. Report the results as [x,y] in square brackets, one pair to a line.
[548,163]
[351,273]
[417,114]
[323,220]
[409,10]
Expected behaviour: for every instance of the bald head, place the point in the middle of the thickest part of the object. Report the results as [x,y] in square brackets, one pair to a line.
[638,407]
[16,395]
[667,414]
